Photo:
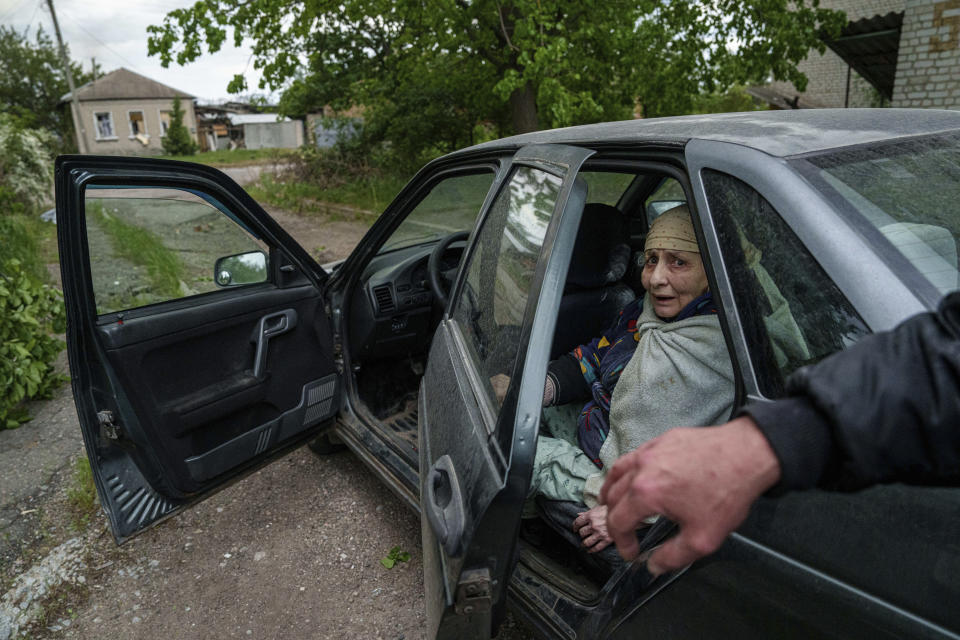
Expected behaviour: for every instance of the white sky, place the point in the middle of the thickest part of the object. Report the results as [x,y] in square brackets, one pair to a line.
[115,33]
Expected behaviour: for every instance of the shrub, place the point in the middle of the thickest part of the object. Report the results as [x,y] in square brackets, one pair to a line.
[19,236]
[25,164]
[178,141]
[28,312]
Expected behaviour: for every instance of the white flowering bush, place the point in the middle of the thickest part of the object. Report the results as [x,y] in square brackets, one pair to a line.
[26,163]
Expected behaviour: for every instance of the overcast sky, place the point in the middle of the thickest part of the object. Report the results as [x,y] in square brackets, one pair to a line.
[115,33]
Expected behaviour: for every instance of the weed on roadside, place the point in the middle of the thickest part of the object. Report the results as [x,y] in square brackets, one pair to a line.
[82,495]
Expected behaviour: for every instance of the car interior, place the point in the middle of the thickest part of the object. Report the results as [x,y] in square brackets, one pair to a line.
[393,315]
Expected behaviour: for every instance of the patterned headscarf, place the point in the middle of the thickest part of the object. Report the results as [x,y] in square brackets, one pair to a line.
[673,230]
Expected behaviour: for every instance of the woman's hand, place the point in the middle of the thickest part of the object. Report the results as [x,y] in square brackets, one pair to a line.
[592,527]
[500,384]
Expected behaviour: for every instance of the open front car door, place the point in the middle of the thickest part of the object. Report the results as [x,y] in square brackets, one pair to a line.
[196,332]
[481,395]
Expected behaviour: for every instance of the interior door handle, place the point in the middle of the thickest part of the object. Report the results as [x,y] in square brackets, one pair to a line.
[444,505]
[270,325]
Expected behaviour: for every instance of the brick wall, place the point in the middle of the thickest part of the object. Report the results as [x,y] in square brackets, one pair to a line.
[928,68]
[827,72]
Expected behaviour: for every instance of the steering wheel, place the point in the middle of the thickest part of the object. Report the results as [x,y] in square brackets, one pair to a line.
[440,281]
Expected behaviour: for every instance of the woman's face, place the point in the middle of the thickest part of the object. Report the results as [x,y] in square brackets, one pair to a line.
[673,279]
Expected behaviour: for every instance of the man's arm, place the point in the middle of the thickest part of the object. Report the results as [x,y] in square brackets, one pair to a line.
[886,409]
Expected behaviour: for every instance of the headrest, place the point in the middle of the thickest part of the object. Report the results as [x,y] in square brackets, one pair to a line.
[601,253]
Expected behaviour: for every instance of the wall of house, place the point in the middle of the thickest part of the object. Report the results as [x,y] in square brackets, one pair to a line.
[928,69]
[273,135]
[827,73]
[123,142]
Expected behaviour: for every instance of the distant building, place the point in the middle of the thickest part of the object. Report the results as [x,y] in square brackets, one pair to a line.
[236,125]
[126,113]
[268,131]
[900,53]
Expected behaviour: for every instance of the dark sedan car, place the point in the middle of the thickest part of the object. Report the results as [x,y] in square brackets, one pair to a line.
[204,341]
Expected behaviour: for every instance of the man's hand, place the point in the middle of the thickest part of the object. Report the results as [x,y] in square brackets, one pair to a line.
[704,479]
[592,527]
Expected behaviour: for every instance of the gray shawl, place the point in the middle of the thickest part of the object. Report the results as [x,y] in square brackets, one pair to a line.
[680,375]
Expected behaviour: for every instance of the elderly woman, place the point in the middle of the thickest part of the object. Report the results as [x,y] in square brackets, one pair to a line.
[664,363]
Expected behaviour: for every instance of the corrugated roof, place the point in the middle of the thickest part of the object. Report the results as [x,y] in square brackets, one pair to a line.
[254,118]
[124,84]
[870,46]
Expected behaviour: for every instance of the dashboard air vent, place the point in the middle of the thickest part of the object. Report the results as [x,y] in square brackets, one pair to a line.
[384,298]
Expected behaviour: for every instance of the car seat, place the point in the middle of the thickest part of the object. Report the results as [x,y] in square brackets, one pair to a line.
[594,292]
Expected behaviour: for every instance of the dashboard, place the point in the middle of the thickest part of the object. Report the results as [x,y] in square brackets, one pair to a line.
[392,313]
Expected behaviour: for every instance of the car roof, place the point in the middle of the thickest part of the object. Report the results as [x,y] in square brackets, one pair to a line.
[778,133]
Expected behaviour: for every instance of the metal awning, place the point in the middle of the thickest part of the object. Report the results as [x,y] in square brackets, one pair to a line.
[870,47]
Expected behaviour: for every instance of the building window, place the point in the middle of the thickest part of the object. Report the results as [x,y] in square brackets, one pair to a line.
[137,124]
[164,122]
[103,122]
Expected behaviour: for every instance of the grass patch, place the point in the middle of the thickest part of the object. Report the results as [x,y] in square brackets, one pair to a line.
[82,494]
[370,195]
[237,157]
[142,247]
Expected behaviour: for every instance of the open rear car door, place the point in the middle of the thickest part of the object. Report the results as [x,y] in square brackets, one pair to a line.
[196,332]
[481,395]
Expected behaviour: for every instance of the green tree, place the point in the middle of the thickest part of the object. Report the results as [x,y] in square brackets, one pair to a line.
[434,72]
[178,141]
[32,82]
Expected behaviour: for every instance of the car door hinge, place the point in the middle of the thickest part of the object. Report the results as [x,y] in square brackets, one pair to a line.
[107,426]
[473,592]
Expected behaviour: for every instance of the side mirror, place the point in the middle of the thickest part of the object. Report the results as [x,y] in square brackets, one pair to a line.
[242,268]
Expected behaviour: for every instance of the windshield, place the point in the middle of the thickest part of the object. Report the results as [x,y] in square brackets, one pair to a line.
[906,198]
[452,205]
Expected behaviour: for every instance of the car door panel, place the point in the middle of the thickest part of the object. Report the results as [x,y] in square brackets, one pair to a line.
[195,389]
[476,456]
[182,392]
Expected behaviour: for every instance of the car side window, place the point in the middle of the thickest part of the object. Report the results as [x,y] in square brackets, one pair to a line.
[791,313]
[492,301]
[154,244]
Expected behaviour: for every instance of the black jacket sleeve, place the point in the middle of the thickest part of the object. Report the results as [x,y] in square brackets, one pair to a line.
[885,410]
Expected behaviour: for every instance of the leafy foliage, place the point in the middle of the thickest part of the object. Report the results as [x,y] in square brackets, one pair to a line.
[26,174]
[28,312]
[395,556]
[20,237]
[178,141]
[437,74]
[733,99]
[32,94]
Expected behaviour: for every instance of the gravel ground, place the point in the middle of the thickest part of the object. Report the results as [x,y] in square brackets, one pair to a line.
[292,551]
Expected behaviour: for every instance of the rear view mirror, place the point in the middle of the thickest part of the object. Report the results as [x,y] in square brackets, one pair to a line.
[242,268]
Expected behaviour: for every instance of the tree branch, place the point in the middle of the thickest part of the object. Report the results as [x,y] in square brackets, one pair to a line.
[503,28]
